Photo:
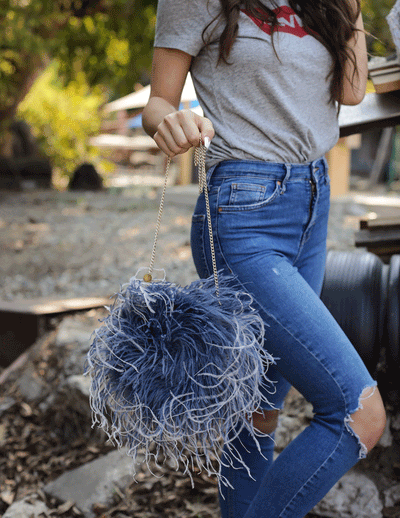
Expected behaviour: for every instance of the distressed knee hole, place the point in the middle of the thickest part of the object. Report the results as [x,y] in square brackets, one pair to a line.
[265,421]
[367,422]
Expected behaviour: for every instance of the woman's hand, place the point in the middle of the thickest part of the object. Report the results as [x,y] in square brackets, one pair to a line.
[180,130]
[175,131]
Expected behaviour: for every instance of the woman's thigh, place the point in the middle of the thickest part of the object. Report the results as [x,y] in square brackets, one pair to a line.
[312,352]
[272,251]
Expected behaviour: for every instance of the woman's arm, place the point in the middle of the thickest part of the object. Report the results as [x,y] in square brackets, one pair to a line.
[355,79]
[174,131]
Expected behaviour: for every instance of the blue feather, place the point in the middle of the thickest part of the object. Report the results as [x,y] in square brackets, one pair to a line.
[179,368]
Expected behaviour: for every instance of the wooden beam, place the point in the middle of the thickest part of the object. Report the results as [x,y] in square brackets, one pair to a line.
[375,111]
[23,322]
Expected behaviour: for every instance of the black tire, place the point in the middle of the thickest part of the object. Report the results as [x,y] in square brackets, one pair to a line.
[393,321]
[384,303]
[85,178]
[352,292]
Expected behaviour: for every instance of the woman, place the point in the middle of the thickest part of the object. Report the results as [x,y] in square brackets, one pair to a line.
[270,77]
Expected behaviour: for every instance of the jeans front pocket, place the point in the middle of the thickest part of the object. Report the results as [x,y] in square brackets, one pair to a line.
[248,194]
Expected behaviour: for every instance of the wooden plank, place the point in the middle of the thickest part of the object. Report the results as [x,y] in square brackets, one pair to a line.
[339,166]
[380,223]
[377,238]
[22,322]
[375,111]
[50,306]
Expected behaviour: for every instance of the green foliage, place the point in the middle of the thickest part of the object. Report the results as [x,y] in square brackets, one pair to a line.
[63,118]
[112,46]
[380,41]
[109,41]
[95,43]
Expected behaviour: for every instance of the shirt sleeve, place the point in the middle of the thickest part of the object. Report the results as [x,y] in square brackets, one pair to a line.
[180,24]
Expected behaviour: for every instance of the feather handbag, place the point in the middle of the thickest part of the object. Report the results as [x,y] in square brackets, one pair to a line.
[178,370]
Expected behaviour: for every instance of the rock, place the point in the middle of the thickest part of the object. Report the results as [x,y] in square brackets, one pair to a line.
[86,178]
[289,427]
[71,330]
[392,496]
[296,415]
[30,385]
[29,507]
[354,496]
[47,403]
[76,389]
[79,384]
[76,336]
[5,404]
[94,482]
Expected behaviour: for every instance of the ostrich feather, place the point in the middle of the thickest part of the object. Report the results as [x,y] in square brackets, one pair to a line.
[176,370]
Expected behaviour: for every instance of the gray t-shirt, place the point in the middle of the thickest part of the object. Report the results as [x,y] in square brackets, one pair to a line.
[263,106]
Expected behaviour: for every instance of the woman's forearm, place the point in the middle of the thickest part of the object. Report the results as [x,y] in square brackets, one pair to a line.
[153,114]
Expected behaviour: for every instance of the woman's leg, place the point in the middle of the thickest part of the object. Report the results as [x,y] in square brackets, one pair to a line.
[260,243]
[235,502]
[317,359]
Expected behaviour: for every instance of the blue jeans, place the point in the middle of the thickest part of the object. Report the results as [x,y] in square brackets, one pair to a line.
[270,225]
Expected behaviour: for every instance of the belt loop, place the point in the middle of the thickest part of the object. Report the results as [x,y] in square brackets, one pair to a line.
[326,166]
[315,167]
[287,176]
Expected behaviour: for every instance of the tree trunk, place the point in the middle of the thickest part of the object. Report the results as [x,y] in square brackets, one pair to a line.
[34,66]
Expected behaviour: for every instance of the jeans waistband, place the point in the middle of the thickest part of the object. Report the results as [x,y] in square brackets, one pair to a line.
[278,171]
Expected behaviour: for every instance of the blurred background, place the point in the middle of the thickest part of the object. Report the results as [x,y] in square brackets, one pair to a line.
[62,61]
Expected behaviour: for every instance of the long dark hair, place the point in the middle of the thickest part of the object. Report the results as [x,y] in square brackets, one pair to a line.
[332,22]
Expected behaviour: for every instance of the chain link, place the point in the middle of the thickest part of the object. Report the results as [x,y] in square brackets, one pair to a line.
[148,276]
[199,160]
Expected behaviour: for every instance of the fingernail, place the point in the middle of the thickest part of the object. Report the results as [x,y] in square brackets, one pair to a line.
[207,142]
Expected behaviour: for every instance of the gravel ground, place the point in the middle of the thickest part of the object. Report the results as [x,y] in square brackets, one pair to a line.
[62,244]
[69,244]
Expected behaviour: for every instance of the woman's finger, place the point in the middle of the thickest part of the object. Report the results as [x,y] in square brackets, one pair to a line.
[167,143]
[171,136]
[206,129]
[190,126]
[159,140]
[183,129]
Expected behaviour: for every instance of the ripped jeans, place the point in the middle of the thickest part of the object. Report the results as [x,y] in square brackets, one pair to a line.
[270,226]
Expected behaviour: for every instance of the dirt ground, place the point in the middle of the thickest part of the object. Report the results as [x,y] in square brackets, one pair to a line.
[63,244]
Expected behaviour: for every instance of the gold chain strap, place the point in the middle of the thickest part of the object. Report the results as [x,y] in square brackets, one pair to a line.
[199,160]
[148,276]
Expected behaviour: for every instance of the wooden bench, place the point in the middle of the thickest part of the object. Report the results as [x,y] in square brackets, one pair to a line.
[23,321]
[380,236]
